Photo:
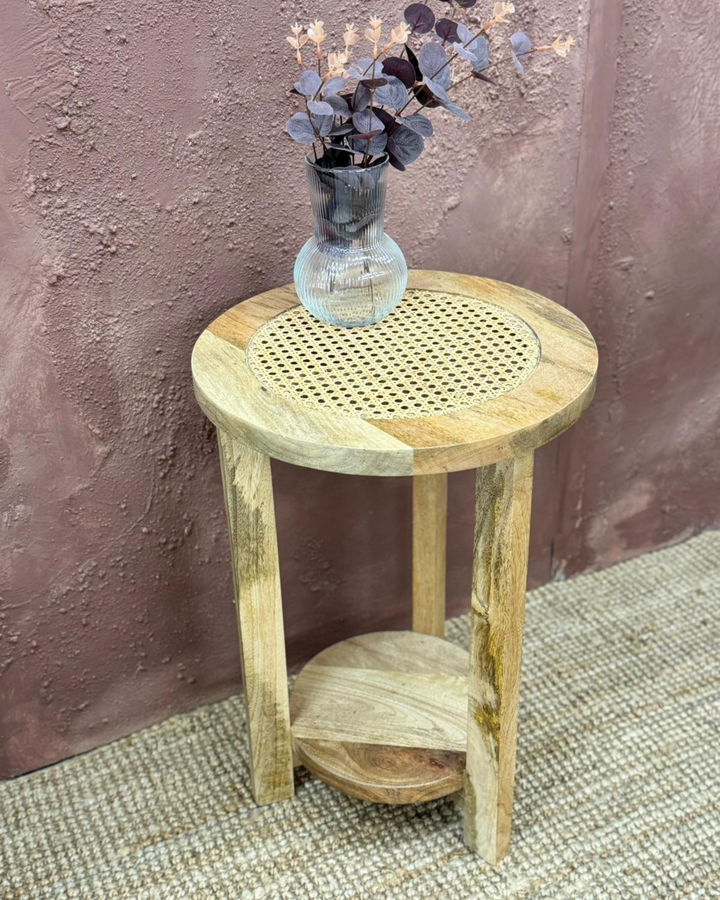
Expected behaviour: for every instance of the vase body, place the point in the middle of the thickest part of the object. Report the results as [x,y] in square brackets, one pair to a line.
[350,273]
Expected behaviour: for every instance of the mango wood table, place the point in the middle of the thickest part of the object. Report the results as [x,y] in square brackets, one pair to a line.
[466,373]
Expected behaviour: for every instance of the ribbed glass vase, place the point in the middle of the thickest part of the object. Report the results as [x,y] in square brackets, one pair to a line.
[350,273]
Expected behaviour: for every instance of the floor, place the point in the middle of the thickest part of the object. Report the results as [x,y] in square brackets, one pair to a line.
[618,787]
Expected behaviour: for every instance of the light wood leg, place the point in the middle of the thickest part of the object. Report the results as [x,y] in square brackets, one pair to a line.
[429,550]
[247,483]
[502,527]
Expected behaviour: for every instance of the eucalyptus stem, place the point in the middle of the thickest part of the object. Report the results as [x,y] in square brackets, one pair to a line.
[508,58]
[457,83]
[372,97]
[315,131]
[481,33]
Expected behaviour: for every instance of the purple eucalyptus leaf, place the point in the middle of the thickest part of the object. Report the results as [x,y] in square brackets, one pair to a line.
[361,98]
[432,60]
[464,33]
[308,83]
[377,142]
[420,18]
[323,124]
[413,60]
[463,52]
[425,97]
[368,136]
[364,67]
[400,68]
[393,93]
[437,90]
[300,128]
[337,104]
[456,110]
[333,86]
[521,46]
[366,121]
[476,53]
[444,99]
[447,30]
[373,83]
[473,48]
[388,119]
[466,4]
[481,50]
[360,179]
[359,224]
[343,128]
[320,108]
[483,77]
[417,122]
[405,145]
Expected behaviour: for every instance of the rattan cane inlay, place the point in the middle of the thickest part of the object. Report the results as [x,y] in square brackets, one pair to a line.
[436,353]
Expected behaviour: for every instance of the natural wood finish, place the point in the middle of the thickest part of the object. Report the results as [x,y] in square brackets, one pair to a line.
[396,708]
[502,527]
[396,651]
[395,716]
[517,422]
[385,774]
[429,551]
[384,716]
[251,520]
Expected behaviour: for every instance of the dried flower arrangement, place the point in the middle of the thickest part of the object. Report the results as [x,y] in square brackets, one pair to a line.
[359,109]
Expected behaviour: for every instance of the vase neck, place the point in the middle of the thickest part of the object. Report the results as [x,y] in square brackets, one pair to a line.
[348,205]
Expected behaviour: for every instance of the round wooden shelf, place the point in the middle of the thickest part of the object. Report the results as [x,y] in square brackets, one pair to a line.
[383,716]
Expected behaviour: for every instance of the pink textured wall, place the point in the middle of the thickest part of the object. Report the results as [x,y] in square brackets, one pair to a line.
[146,186]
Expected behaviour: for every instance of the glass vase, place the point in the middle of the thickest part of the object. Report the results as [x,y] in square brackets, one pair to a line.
[350,273]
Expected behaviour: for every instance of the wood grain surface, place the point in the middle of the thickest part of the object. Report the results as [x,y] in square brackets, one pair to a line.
[429,552]
[251,522]
[502,528]
[394,716]
[384,716]
[385,774]
[535,412]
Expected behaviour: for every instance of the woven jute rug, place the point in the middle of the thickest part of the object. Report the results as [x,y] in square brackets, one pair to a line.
[618,787]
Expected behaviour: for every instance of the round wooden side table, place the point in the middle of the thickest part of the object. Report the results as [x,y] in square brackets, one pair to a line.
[466,373]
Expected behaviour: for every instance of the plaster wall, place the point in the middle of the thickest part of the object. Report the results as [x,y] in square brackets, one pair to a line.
[145,186]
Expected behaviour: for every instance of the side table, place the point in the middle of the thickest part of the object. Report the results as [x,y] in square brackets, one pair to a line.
[466,373]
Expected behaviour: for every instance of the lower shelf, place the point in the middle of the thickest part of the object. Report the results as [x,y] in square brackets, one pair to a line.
[383,716]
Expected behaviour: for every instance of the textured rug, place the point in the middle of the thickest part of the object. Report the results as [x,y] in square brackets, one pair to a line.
[618,787]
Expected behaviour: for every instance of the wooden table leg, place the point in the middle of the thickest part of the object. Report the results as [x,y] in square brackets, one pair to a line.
[247,483]
[429,548]
[502,526]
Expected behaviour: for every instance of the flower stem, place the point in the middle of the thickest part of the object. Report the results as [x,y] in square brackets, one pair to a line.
[317,133]
[367,145]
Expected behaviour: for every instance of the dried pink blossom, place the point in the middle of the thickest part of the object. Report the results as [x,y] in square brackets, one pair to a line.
[351,36]
[500,10]
[336,63]
[400,34]
[316,33]
[298,41]
[373,34]
[562,48]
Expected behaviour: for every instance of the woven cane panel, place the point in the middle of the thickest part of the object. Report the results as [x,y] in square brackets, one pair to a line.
[434,354]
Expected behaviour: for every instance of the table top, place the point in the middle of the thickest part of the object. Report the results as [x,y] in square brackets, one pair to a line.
[464,373]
